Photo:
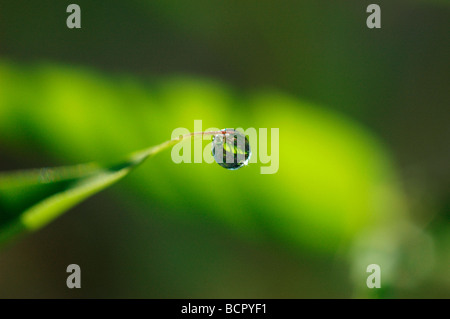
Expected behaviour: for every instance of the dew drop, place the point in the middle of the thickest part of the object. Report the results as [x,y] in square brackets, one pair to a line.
[231,149]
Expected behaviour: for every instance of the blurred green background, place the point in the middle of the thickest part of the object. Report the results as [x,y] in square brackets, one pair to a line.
[363,119]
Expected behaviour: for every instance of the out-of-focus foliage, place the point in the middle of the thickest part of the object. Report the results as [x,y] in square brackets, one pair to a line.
[197,230]
[334,178]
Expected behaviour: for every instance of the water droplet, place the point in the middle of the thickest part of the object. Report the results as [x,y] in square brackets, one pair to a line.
[231,149]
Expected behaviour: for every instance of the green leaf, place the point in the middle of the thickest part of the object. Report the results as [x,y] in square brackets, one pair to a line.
[31,199]
[335,177]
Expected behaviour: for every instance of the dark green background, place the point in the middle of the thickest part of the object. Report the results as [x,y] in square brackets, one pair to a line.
[392,81]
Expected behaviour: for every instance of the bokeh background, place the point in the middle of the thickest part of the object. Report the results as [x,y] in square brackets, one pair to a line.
[363,119]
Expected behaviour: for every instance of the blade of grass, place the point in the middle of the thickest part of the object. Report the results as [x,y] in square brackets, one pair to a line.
[31,199]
